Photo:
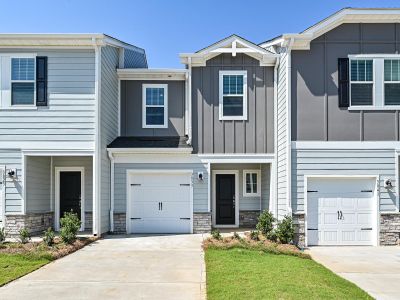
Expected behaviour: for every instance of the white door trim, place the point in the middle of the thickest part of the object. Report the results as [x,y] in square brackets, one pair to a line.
[214,196]
[58,170]
[129,172]
[376,196]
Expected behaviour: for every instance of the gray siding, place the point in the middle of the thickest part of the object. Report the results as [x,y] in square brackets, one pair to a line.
[12,159]
[108,127]
[344,162]
[200,188]
[135,58]
[282,137]
[250,203]
[315,112]
[77,161]
[132,105]
[38,184]
[210,135]
[68,121]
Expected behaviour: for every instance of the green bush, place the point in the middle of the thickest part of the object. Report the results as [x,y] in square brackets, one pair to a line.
[265,222]
[49,236]
[285,230]
[254,235]
[70,225]
[2,234]
[24,235]
[236,236]
[272,236]
[216,234]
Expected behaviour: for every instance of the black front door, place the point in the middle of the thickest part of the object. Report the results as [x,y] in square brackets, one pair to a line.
[225,199]
[70,193]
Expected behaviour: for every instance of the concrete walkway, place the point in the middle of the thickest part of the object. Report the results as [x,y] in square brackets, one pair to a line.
[120,267]
[374,269]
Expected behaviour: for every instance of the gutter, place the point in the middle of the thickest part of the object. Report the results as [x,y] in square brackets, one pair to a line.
[112,171]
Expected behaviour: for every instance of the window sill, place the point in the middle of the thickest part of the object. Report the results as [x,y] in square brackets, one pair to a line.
[233,118]
[374,108]
[251,195]
[19,108]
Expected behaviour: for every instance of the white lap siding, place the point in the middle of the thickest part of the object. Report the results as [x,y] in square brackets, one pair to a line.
[344,162]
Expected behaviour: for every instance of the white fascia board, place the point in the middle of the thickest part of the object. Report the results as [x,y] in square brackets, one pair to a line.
[152,74]
[156,158]
[150,150]
[48,40]
[342,145]
[237,158]
[57,152]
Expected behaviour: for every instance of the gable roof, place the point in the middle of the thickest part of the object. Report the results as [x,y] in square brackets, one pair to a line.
[232,44]
[301,41]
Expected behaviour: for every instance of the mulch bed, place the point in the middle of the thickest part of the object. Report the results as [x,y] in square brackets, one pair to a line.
[58,250]
[261,244]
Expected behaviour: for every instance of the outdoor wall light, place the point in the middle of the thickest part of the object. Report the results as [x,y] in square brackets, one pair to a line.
[200,176]
[388,183]
[12,172]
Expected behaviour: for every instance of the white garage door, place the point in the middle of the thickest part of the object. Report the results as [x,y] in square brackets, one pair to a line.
[341,211]
[160,203]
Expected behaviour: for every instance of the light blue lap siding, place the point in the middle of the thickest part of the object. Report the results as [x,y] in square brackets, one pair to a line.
[344,162]
[200,188]
[12,159]
[38,183]
[135,58]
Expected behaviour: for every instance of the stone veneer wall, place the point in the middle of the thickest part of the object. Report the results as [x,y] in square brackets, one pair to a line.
[299,232]
[248,218]
[88,221]
[389,229]
[201,222]
[35,223]
[119,223]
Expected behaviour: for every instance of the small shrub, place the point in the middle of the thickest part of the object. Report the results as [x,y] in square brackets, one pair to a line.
[49,236]
[24,235]
[254,235]
[70,225]
[285,230]
[272,236]
[265,222]
[216,234]
[2,235]
[236,236]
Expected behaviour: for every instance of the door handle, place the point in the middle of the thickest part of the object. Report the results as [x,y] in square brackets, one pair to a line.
[338,215]
[161,205]
[341,215]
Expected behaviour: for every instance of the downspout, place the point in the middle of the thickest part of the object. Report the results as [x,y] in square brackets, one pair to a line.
[190,101]
[111,157]
[289,125]
[273,204]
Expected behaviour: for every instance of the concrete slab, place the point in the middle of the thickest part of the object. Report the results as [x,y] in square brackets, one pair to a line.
[121,267]
[374,269]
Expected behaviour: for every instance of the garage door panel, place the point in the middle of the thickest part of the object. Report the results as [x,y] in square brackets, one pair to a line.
[341,209]
[156,225]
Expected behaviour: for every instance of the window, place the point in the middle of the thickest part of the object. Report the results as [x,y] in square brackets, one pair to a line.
[392,81]
[22,81]
[251,183]
[155,106]
[233,95]
[361,82]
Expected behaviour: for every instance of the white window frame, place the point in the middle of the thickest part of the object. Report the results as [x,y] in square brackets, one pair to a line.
[258,192]
[384,81]
[221,94]
[144,105]
[363,82]
[23,81]
[378,97]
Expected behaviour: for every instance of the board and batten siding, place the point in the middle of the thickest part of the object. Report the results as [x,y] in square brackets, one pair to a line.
[316,115]
[38,183]
[108,127]
[68,120]
[282,137]
[200,188]
[12,159]
[211,135]
[132,109]
[344,162]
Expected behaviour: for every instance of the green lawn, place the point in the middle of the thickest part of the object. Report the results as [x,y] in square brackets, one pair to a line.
[13,266]
[250,274]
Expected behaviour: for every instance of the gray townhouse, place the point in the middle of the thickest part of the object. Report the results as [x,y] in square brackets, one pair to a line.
[305,125]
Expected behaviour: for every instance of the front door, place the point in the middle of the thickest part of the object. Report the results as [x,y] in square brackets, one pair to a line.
[70,193]
[225,199]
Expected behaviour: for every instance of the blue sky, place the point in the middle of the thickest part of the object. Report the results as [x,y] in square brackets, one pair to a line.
[166,28]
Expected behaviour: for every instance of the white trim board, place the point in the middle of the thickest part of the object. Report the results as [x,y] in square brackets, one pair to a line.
[376,195]
[58,170]
[341,145]
[214,197]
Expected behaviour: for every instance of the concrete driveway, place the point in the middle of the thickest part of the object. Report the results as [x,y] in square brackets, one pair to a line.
[120,267]
[374,269]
